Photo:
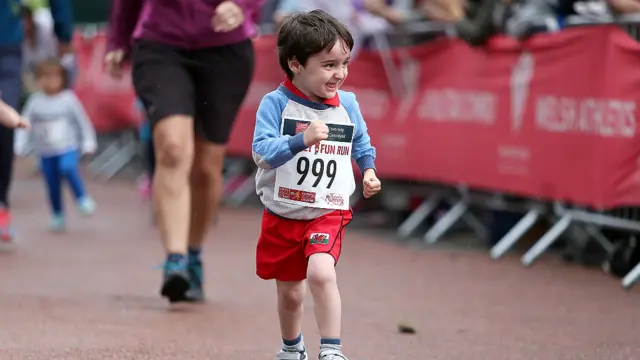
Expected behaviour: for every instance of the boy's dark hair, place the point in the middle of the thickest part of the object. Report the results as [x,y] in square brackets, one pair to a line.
[305,34]
[53,63]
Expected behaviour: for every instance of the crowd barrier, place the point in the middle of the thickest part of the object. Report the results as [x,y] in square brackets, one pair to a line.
[109,103]
[551,121]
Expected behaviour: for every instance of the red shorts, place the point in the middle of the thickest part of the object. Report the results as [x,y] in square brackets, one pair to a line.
[285,245]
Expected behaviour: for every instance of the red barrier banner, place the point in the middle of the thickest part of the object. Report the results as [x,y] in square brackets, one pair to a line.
[109,102]
[554,118]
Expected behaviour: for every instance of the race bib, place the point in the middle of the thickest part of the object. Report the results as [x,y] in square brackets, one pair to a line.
[54,132]
[320,176]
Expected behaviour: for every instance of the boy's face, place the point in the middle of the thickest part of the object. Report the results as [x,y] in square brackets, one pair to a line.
[324,72]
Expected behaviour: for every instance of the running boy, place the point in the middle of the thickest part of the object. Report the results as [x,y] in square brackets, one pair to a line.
[306,133]
[60,133]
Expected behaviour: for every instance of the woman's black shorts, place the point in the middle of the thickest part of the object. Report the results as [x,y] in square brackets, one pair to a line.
[207,84]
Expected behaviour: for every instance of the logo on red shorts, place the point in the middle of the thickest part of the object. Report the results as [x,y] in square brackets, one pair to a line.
[319,239]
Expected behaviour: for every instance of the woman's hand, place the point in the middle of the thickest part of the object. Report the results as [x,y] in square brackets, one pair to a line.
[228,16]
[113,63]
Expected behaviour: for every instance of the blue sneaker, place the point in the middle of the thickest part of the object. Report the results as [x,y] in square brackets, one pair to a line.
[87,206]
[58,223]
[176,281]
[196,277]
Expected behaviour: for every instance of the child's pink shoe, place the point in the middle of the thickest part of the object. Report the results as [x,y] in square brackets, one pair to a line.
[145,188]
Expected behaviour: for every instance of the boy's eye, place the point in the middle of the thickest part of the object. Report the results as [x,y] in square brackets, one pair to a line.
[329,66]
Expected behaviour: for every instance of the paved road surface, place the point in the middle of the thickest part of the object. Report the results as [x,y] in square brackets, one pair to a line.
[92,294]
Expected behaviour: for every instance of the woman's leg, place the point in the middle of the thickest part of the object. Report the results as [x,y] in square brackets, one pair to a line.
[223,76]
[170,101]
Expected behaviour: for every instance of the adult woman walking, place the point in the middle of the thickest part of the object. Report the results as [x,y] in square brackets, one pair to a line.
[192,63]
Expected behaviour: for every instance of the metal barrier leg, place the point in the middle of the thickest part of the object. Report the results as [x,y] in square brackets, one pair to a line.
[230,178]
[515,234]
[547,239]
[446,222]
[242,192]
[119,160]
[597,235]
[475,224]
[419,215]
[631,278]
[97,164]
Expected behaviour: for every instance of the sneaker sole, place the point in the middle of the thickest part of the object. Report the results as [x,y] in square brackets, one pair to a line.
[175,288]
[195,296]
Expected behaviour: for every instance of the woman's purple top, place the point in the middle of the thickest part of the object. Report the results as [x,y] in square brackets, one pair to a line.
[180,23]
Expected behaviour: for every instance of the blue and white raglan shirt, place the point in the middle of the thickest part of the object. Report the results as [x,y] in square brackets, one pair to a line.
[302,183]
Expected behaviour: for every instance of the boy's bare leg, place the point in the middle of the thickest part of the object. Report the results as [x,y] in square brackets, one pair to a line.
[290,308]
[321,275]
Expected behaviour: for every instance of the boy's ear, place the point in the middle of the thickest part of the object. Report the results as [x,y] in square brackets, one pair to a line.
[294,66]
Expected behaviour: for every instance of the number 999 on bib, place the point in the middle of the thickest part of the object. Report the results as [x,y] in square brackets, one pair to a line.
[320,176]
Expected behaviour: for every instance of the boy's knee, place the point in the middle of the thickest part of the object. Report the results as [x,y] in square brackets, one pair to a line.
[291,294]
[321,270]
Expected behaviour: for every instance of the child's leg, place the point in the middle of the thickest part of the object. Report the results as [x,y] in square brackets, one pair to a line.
[323,249]
[50,171]
[290,299]
[69,167]
[323,284]
[279,256]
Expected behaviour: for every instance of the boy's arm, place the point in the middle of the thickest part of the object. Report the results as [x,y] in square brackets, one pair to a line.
[363,152]
[87,131]
[270,149]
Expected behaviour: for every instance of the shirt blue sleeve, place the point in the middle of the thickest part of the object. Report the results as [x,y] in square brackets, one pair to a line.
[363,152]
[62,13]
[270,148]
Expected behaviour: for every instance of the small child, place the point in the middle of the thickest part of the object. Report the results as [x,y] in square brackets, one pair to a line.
[60,133]
[307,132]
